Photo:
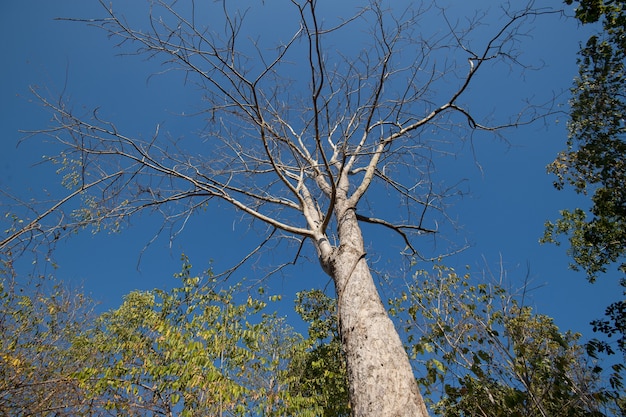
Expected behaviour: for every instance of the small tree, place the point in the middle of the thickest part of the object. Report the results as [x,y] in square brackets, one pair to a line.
[487,354]
[193,350]
[39,321]
[300,130]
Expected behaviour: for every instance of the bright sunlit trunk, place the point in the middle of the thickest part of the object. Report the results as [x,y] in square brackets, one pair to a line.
[380,376]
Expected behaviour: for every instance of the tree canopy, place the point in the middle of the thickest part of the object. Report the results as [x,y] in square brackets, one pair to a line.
[197,350]
[594,161]
[487,353]
[594,164]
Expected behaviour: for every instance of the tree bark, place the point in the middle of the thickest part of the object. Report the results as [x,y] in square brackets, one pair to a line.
[380,375]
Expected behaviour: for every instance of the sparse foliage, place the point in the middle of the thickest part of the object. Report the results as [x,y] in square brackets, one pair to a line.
[487,354]
[39,320]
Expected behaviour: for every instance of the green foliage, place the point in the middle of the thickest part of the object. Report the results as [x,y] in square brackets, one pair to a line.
[70,168]
[594,163]
[614,327]
[488,355]
[322,371]
[595,159]
[193,351]
[198,350]
[189,351]
[593,257]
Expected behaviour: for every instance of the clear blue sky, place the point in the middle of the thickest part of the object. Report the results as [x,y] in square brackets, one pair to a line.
[501,217]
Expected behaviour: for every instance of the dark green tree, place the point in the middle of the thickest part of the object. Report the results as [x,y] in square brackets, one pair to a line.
[323,373]
[594,163]
[484,351]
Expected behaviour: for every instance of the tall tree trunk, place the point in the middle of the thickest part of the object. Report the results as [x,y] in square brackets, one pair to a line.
[380,376]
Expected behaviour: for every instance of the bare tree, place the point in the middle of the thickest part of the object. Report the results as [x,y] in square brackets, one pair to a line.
[299,129]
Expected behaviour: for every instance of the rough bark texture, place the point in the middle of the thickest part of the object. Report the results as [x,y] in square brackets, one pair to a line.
[380,375]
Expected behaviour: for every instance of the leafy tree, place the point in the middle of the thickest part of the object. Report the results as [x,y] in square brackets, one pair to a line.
[38,321]
[197,350]
[487,354]
[193,351]
[302,130]
[594,163]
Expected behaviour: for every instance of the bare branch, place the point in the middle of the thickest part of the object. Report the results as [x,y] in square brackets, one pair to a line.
[297,127]
[398,228]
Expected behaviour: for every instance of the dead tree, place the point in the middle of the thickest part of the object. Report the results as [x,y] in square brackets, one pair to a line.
[299,129]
